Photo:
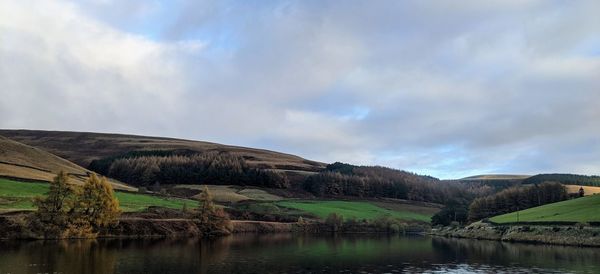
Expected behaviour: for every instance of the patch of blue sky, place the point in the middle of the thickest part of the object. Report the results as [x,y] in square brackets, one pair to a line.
[443,162]
[338,102]
[589,47]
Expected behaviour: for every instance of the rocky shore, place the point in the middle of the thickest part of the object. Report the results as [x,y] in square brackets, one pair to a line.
[539,234]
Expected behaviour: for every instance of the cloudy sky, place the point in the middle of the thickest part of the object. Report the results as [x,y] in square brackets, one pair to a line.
[447,88]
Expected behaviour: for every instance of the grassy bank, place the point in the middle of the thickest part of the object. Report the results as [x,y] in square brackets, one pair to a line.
[19,196]
[352,209]
[577,210]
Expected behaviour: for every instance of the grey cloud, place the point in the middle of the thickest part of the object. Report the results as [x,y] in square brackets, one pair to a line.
[448,88]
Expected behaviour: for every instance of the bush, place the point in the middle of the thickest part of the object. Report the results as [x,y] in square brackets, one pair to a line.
[335,221]
[388,224]
[351,221]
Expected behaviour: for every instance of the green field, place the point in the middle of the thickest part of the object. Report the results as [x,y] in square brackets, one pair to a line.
[19,196]
[584,209]
[358,210]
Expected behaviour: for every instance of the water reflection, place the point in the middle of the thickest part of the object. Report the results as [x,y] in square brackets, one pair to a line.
[286,253]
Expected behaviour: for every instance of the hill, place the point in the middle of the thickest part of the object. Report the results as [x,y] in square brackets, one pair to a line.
[25,162]
[495,177]
[567,179]
[84,147]
[576,210]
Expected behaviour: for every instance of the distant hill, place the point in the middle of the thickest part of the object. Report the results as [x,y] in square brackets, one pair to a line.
[25,162]
[497,182]
[496,177]
[567,179]
[84,147]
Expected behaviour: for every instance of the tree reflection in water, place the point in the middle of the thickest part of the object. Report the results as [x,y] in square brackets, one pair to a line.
[277,253]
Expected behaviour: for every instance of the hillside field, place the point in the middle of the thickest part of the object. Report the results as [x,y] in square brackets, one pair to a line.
[19,196]
[577,210]
[352,209]
[232,193]
[589,190]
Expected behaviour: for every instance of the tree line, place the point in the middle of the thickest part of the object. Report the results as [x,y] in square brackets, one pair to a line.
[568,179]
[341,179]
[516,198]
[217,168]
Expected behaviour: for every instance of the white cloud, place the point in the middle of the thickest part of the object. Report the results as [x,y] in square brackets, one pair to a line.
[446,87]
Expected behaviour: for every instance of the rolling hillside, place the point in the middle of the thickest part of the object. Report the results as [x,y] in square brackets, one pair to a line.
[25,162]
[577,210]
[84,147]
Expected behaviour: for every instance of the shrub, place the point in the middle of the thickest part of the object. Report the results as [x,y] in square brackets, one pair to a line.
[351,221]
[301,221]
[335,221]
[388,224]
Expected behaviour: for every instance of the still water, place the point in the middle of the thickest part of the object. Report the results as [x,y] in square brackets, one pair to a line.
[286,253]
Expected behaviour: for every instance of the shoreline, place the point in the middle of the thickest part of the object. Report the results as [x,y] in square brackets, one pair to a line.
[15,228]
[531,234]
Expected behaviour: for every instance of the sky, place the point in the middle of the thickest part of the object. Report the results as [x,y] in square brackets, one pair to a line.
[447,88]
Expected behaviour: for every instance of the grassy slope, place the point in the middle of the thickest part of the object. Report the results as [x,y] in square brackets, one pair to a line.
[577,210]
[19,196]
[233,194]
[358,210]
[18,160]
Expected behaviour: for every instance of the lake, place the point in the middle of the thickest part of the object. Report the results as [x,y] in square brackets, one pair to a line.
[287,253]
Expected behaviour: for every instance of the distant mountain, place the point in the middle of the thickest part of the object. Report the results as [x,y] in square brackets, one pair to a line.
[25,162]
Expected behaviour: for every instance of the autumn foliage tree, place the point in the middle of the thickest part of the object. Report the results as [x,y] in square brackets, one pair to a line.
[96,207]
[73,211]
[53,211]
[210,219]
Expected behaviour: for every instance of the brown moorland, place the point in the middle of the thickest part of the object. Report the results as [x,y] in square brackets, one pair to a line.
[84,147]
[24,162]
